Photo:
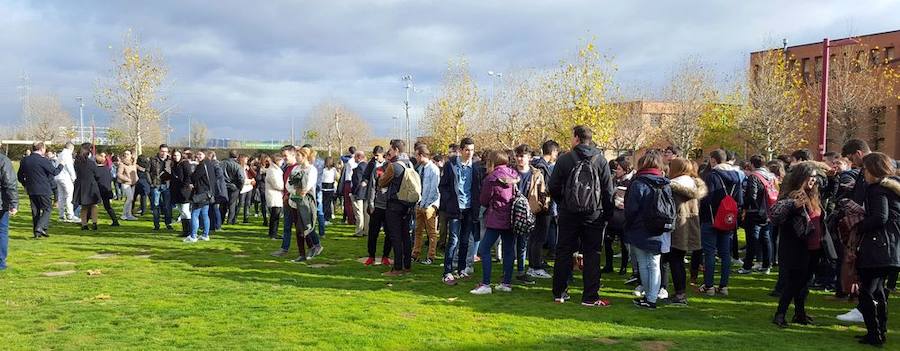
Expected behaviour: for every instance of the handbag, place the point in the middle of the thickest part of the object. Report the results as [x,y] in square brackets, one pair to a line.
[205,197]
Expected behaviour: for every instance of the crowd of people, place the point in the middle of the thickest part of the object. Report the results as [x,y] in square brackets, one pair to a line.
[831,224]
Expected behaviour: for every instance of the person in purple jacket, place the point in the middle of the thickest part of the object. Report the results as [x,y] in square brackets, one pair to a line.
[496,196]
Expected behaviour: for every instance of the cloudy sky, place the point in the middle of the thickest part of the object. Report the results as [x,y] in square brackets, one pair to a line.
[247,67]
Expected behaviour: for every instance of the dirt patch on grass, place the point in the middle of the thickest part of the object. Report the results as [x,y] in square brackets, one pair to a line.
[61,263]
[57,274]
[655,345]
[102,256]
[319,265]
[606,341]
[142,256]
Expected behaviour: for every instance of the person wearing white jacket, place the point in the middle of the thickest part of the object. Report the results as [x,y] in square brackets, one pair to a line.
[274,194]
[65,183]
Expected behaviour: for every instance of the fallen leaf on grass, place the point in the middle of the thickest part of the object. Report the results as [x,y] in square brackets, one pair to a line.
[57,274]
[102,297]
[240,256]
[655,345]
[390,285]
[63,263]
[451,299]
[92,272]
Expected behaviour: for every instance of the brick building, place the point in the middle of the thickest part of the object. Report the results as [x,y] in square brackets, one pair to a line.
[881,128]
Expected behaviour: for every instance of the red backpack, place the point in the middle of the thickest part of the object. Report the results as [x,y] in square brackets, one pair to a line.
[771,192]
[726,217]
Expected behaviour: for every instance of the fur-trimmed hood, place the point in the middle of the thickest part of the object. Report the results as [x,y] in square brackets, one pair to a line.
[891,183]
[698,191]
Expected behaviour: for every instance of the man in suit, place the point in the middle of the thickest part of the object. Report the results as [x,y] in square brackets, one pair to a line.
[357,193]
[36,173]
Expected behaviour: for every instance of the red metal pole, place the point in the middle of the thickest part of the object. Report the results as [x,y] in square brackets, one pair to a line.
[823,105]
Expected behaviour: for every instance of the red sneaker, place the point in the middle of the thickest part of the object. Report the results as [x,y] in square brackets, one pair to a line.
[370,261]
[386,261]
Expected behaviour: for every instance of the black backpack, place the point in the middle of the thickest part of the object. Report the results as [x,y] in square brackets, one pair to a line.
[583,190]
[659,217]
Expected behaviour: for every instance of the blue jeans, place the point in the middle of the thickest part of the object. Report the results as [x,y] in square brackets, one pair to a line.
[320,213]
[160,201]
[521,249]
[288,225]
[197,212]
[715,241]
[759,245]
[508,247]
[648,265]
[458,235]
[4,237]
[215,217]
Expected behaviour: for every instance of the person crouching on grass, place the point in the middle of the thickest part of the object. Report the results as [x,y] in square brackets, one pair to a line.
[497,193]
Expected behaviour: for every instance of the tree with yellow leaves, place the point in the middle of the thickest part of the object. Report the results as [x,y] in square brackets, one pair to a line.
[131,92]
[581,88]
[773,111]
[449,117]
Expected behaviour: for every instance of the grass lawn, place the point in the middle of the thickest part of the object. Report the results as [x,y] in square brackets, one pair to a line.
[155,292]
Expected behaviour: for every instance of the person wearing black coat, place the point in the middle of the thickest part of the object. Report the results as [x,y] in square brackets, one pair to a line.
[180,188]
[878,256]
[202,185]
[104,184]
[799,216]
[87,190]
[36,173]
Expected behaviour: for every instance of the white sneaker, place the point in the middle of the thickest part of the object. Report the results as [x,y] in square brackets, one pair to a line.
[757,266]
[481,290]
[503,287]
[469,271]
[204,238]
[638,291]
[854,316]
[539,273]
[462,275]
[737,262]
[190,239]
[449,279]
[663,294]
[280,253]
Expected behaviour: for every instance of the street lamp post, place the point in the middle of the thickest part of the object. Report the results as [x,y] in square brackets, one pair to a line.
[80,119]
[408,80]
[823,99]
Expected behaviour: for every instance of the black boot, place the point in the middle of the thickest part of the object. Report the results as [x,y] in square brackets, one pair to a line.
[185,228]
[802,318]
[780,321]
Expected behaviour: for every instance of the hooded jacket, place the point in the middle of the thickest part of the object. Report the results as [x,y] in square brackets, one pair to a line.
[719,181]
[497,192]
[687,192]
[755,196]
[539,163]
[880,230]
[566,164]
[639,199]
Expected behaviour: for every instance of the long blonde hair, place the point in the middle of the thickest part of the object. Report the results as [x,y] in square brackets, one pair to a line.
[307,155]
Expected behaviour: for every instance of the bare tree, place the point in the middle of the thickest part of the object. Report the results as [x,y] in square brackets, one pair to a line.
[861,83]
[43,118]
[131,92]
[690,90]
[333,125]
[198,134]
[773,114]
[633,128]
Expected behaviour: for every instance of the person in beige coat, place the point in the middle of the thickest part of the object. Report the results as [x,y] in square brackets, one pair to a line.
[126,174]
[687,190]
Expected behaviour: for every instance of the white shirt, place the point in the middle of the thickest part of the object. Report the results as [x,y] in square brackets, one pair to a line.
[348,169]
[329,175]
[64,158]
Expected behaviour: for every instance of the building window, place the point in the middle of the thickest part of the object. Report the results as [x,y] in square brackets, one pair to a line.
[873,58]
[889,54]
[805,69]
[818,72]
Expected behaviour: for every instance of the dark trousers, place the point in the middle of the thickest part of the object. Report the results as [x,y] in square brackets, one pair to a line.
[234,198]
[376,223]
[575,230]
[107,205]
[328,204]
[348,203]
[608,240]
[675,260]
[536,241]
[873,298]
[274,221]
[215,217]
[696,261]
[396,223]
[796,285]
[245,204]
[41,205]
